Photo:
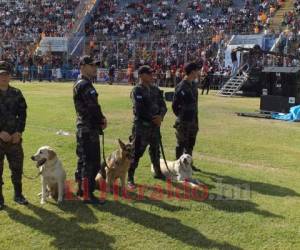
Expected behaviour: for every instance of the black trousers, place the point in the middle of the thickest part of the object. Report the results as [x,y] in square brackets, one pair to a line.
[15,157]
[89,157]
[186,134]
[206,87]
[143,137]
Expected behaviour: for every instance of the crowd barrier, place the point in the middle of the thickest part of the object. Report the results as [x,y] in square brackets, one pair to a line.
[120,77]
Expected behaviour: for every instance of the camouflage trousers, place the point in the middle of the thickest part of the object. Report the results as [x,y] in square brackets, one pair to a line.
[186,134]
[143,136]
[15,157]
[89,157]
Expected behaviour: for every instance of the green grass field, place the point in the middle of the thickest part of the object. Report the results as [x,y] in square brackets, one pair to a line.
[251,167]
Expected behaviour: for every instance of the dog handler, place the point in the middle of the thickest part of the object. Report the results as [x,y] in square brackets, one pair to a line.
[12,124]
[149,109]
[185,107]
[90,123]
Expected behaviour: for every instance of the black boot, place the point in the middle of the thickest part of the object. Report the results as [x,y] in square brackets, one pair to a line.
[130,180]
[1,199]
[158,174]
[92,199]
[88,195]
[79,192]
[179,152]
[19,198]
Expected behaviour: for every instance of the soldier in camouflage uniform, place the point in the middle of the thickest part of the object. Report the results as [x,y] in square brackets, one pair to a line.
[90,123]
[149,109]
[12,124]
[185,107]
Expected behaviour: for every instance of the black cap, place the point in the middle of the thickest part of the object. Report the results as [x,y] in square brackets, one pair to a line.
[188,68]
[5,67]
[88,60]
[145,69]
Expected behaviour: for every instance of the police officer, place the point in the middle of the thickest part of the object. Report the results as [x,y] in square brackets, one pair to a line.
[111,74]
[207,81]
[149,109]
[185,107]
[12,124]
[90,123]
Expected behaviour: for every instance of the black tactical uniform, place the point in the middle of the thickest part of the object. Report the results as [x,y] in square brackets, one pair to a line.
[185,107]
[207,81]
[147,102]
[12,120]
[89,121]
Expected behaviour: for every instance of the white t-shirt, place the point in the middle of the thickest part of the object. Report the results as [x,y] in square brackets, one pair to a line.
[168,74]
[58,73]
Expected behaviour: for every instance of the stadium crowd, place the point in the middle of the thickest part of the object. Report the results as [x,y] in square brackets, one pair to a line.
[163,36]
[124,34]
[131,19]
[23,23]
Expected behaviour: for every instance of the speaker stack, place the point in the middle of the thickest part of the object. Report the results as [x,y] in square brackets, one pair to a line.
[280,89]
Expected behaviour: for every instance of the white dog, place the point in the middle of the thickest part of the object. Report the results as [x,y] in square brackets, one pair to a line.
[179,170]
[53,175]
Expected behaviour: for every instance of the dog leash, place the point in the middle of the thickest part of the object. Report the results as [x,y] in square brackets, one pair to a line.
[104,163]
[163,151]
[32,178]
[103,151]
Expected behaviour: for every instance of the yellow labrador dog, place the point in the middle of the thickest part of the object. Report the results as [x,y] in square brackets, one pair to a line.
[53,175]
[179,170]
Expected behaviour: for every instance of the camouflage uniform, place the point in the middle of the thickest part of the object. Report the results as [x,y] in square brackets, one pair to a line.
[185,107]
[147,102]
[12,119]
[89,120]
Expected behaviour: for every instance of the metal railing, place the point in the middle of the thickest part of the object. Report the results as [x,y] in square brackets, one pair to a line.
[120,53]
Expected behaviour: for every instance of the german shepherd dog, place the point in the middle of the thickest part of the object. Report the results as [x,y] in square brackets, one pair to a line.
[117,166]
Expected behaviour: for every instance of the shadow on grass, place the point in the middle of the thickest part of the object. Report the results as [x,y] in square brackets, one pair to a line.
[67,233]
[238,206]
[81,211]
[132,196]
[161,205]
[171,227]
[220,202]
[259,187]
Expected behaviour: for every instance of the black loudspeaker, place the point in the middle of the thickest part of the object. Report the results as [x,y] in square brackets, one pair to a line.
[280,88]
[282,84]
[169,96]
[280,104]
